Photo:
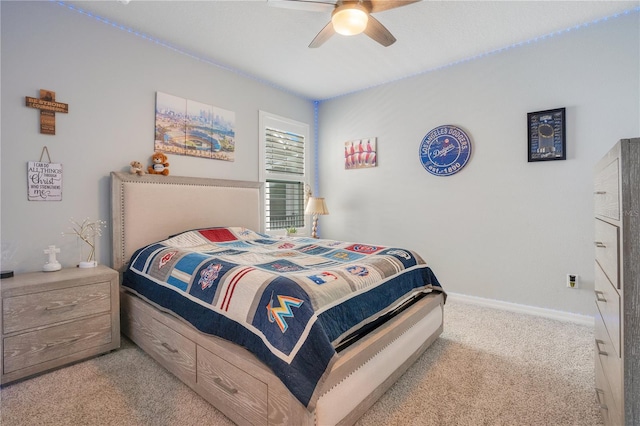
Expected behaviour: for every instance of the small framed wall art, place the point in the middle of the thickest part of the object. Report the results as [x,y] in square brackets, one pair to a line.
[547,135]
[360,153]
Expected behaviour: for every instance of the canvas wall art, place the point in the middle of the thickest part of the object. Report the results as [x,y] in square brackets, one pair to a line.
[186,127]
[360,153]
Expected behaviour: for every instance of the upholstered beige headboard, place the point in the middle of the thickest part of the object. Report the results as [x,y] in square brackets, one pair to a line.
[150,208]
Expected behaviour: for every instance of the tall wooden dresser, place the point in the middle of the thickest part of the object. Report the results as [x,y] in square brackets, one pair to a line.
[617,283]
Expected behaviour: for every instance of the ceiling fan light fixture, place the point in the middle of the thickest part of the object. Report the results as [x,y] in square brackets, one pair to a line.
[349,19]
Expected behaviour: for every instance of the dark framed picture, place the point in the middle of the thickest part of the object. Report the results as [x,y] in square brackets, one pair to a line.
[547,135]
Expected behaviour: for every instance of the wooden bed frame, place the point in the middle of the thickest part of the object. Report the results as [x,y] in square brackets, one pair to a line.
[149,208]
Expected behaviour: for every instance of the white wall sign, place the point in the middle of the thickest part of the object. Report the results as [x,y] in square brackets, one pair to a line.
[44,181]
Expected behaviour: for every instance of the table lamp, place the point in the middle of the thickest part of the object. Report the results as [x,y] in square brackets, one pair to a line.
[316,206]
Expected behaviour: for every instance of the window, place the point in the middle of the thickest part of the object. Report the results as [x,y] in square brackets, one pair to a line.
[283,159]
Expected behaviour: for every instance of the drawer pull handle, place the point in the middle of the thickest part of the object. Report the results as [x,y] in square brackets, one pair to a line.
[600,351]
[64,342]
[600,192]
[218,381]
[602,405]
[68,305]
[600,244]
[600,296]
[169,348]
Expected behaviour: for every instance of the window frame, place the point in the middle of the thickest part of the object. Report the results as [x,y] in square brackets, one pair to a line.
[273,121]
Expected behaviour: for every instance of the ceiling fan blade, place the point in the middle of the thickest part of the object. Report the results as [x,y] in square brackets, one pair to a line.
[323,35]
[379,33]
[380,5]
[306,5]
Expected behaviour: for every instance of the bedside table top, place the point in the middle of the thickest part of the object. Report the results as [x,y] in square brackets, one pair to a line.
[66,277]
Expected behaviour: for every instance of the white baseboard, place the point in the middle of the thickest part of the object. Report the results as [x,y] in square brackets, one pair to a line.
[524,309]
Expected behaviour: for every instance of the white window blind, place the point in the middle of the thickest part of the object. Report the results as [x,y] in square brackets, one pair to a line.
[284,152]
[283,171]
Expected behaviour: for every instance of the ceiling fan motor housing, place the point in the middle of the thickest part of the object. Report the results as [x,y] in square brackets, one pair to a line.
[350,19]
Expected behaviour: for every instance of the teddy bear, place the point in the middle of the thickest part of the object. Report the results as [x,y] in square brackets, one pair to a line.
[136,168]
[160,165]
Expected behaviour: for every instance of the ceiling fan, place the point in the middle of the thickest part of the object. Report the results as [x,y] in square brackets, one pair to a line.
[348,17]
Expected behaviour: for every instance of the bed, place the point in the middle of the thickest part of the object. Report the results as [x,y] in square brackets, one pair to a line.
[169,220]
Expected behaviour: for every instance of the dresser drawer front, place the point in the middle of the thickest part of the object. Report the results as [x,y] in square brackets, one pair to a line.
[606,193]
[50,307]
[236,390]
[610,364]
[607,250]
[608,302]
[36,347]
[611,414]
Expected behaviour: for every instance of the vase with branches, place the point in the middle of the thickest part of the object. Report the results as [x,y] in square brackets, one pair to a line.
[87,231]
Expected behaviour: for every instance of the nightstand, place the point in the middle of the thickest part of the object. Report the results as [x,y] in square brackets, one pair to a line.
[51,319]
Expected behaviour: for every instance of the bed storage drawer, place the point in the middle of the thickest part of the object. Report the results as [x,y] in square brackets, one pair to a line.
[232,388]
[607,255]
[608,303]
[56,342]
[606,191]
[170,348]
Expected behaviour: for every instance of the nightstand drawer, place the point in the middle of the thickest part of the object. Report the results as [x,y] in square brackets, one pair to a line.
[57,342]
[606,192]
[235,389]
[50,307]
[608,302]
[607,245]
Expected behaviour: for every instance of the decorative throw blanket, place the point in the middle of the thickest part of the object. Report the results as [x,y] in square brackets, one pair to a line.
[288,300]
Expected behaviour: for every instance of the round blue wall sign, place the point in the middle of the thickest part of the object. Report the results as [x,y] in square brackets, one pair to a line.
[445,150]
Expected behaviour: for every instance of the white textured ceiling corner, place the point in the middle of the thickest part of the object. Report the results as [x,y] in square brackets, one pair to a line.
[270,44]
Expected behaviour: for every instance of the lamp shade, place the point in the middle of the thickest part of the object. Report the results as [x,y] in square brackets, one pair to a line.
[349,19]
[316,205]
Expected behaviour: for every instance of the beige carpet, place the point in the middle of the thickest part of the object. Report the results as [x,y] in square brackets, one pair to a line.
[489,367]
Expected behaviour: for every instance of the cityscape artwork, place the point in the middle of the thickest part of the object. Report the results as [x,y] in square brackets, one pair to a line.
[186,127]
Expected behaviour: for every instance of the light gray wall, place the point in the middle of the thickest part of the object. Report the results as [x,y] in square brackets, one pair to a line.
[501,228]
[109,79]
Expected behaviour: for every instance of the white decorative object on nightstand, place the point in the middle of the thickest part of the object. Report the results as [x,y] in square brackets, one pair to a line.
[52,264]
[50,320]
[87,231]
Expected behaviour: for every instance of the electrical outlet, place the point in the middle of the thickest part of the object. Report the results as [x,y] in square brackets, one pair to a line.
[572,280]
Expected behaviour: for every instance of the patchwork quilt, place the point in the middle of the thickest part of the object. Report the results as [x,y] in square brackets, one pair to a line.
[289,300]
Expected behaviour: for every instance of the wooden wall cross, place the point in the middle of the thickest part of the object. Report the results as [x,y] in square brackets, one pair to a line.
[48,107]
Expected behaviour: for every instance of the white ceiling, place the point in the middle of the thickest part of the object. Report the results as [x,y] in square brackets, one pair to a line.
[270,43]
